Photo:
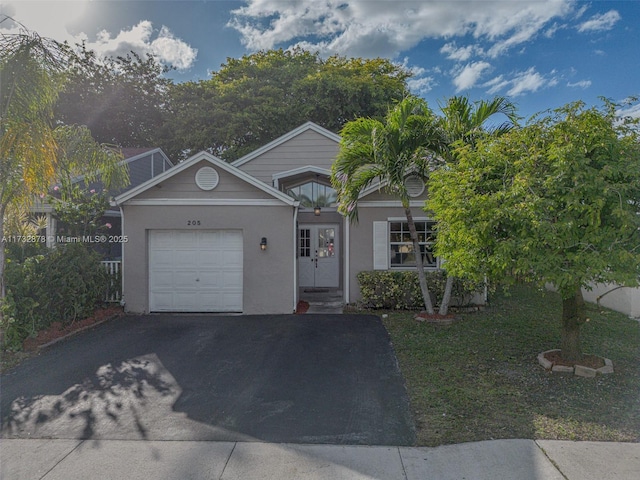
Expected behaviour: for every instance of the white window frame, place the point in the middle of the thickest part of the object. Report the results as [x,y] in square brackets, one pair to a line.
[382,245]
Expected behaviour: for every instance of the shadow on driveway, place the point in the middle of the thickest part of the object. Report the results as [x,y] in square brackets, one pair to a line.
[276,378]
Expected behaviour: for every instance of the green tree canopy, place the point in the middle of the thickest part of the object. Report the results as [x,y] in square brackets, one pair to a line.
[254,99]
[34,154]
[463,123]
[556,201]
[120,100]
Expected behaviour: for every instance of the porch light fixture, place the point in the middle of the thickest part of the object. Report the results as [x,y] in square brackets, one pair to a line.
[263,244]
[316,211]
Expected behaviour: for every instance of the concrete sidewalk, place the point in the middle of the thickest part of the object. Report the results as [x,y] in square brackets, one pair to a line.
[182,460]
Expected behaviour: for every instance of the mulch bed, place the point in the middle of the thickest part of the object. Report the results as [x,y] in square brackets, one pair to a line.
[590,361]
[57,330]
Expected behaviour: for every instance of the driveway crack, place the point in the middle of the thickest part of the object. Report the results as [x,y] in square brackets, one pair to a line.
[43,477]
[227,461]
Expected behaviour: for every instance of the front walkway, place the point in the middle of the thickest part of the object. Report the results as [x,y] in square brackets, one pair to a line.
[322,300]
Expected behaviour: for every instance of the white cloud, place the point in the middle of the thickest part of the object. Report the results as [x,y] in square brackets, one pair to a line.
[51,18]
[460,54]
[600,22]
[580,84]
[469,75]
[521,82]
[496,84]
[632,111]
[48,18]
[386,28]
[421,86]
[529,81]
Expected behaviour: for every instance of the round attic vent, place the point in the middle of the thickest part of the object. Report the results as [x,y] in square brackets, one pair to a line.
[207,178]
[414,185]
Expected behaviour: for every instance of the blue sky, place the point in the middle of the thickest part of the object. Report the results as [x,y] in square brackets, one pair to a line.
[541,54]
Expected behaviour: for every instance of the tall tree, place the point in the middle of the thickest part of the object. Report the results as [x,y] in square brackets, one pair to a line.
[254,99]
[387,151]
[556,201]
[466,122]
[121,100]
[30,78]
[33,153]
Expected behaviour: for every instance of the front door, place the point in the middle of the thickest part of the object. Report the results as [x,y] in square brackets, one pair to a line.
[318,255]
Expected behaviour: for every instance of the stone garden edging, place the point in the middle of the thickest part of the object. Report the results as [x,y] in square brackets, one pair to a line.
[578,370]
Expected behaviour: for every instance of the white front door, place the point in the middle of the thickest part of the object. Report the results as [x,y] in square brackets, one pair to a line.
[318,255]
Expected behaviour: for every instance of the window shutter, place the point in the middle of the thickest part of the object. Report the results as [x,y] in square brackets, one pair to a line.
[380,246]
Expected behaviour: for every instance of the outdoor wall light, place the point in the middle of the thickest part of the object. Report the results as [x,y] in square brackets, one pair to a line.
[316,211]
[263,243]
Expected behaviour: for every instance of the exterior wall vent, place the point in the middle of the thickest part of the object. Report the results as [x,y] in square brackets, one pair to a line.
[207,178]
[414,185]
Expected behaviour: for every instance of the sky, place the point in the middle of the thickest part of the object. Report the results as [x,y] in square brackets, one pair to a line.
[541,54]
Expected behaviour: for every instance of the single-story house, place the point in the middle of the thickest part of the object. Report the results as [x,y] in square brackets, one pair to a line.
[247,236]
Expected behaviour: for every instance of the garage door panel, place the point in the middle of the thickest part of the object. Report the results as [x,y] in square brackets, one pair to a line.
[230,280]
[161,239]
[186,239]
[163,258]
[162,280]
[233,259]
[163,301]
[184,301]
[186,258]
[195,271]
[210,280]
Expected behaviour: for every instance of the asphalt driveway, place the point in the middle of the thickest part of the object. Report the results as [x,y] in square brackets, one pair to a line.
[286,378]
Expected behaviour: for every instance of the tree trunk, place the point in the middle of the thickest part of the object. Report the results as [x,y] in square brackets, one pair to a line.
[573,316]
[446,297]
[422,279]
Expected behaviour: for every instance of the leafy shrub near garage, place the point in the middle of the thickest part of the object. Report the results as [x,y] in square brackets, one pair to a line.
[63,285]
[400,290]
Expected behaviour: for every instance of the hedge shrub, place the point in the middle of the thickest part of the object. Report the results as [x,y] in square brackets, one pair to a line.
[400,290]
[63,285]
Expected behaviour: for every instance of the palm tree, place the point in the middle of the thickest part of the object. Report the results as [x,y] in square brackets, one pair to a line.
[384,153]
[466,122]
[33,152]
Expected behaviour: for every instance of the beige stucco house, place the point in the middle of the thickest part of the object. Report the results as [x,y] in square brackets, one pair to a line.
[248,237]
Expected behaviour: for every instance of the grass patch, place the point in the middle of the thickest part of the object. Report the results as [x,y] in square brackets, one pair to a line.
[479,378]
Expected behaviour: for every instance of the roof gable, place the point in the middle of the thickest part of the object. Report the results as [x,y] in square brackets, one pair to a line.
[216,162]
[285,138]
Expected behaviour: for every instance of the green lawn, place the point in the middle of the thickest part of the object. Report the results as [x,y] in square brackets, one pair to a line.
[479,378]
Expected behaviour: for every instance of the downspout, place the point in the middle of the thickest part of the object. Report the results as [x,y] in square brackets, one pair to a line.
[122,302]
[347,260]
[295,257]
[122,245]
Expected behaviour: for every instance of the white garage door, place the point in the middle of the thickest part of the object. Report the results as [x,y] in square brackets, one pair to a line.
[195,271]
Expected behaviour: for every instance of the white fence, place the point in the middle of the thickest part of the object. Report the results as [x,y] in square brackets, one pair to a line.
[114,289]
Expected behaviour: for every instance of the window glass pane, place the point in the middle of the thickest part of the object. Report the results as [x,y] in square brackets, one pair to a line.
[326,242]
[313,194]
[305,242]
[401,246]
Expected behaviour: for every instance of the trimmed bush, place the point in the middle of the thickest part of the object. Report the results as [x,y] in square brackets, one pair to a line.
[64,285]
[400,290]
